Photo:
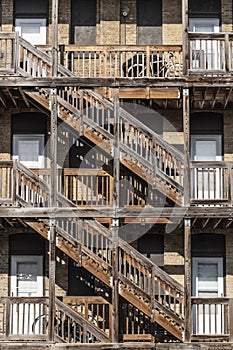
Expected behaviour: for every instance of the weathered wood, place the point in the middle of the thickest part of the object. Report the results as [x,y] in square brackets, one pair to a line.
[145,92]
[230,320]
[185,36]
[115,221]
[52,276]
[186,128]
[187,280]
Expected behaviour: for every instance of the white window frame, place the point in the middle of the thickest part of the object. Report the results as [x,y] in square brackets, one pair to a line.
[37,137]
[26,258]
[39,39]
[194,22]
[214,137]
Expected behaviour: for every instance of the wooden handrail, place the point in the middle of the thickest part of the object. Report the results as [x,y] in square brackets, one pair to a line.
[86,326]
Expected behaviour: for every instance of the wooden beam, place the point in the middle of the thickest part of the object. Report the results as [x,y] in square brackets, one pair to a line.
[218,221]
[115,221]
[144,92]
[187,280]
[205,222]
[143,221]
[53,177]
[122,212]
[185,51]
[186,128]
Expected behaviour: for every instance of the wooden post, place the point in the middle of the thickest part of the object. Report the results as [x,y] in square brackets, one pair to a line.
[187,280]
[185,36]
[115,221]
[154,163]
[227,51]
[52,271]
[14,181]
[186,127]
[229,179]
[7,319]
[230,311]
[53,174]
[16,53]
[54,37]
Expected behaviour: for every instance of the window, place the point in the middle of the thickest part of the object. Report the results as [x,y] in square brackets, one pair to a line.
[32,29]
[204,25]
[28,149]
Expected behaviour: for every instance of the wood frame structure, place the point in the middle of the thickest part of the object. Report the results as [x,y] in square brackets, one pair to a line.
[76,229]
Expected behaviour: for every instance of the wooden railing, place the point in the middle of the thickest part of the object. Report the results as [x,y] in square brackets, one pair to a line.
[26,318]
[83,186]
[8,53]
[164,293]
[212,318]
[134,325]
[210,53]
[20,317]
[7,183]
[211,183]
[72,327]
[121,61]
[94,309]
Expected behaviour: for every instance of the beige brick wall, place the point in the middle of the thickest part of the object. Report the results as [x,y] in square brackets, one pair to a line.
[61,286]
[172,22]
[226,16]
[4,266]
[174,254]
[5,135]
[108,28]
[112,28]
[229,262]
[228,140]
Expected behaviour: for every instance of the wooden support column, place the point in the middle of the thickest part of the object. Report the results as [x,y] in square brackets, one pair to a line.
[53,175]
[52,272]
[185,45]
[186,131]
[115,221]
[187,280]
[231,320]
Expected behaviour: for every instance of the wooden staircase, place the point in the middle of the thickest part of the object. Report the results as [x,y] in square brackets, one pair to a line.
[91,115]
[89,243]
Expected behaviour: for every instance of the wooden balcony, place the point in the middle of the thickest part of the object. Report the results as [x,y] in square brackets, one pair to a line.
[212,319]
[209,54]
[26,319]
[211,185]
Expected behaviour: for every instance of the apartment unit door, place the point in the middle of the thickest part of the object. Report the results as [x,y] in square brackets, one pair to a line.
[26,281]
[207,278]
[207,181]
[206,53]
